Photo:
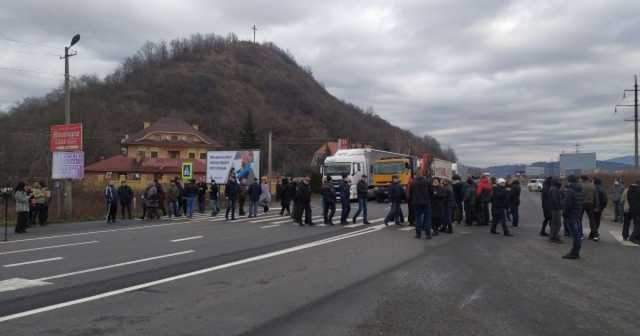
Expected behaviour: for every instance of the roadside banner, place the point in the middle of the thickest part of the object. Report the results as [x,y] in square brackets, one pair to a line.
[67,165]
[187,170]
[242,164]
[65,138]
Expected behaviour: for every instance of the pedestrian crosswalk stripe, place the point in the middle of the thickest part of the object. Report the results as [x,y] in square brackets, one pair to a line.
[242,219]
[266,219]
[406,229]
[270,226]
[618,236]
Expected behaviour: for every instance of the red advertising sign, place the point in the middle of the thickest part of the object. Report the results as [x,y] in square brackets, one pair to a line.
[66,138]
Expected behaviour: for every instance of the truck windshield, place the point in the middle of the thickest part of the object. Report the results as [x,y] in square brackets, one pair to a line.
[338,169]
[389,168]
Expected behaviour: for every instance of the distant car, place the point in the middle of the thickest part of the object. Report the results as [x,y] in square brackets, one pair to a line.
[535,185]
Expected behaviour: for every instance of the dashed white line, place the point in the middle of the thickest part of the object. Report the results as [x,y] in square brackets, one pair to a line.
[186,238]
[33,262]
[270,226]
[49,247]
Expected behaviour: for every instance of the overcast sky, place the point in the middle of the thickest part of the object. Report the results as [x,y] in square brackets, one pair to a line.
[499,81]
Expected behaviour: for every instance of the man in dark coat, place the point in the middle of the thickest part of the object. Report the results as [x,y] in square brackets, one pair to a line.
[600,203]
[304,195]
[458,193]
[111,198]
[162,196]
[469,201]
[483,194]
[243,188]
[514,202]
[556,198]
[546,205]
[420,195]
[202,196]
[329,200]
[396,194]
[125,195]
[438,204]
[231,193]
[633,197]
[500,201]
[573,203]
[254,192]
[345,199]
[214,190]
[363,197]
[284,193]
[449,207]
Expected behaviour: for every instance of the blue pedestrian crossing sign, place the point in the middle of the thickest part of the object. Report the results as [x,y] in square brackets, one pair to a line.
[187,170]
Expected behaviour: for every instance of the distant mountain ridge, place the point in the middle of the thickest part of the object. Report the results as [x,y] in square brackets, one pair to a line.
[553,168]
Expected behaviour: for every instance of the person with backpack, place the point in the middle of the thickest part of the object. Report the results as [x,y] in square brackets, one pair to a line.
[600,203]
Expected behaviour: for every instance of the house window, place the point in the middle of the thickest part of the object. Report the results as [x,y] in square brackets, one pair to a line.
[203,156]
[192,155]
[154,154]
[174,138]
[174,154]
[141,154]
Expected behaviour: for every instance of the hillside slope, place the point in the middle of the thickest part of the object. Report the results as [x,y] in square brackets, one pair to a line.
[208,80]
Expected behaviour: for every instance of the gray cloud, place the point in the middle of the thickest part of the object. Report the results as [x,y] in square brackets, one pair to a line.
[500,81]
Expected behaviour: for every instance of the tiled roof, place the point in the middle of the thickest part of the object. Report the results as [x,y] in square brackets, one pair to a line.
[123,164]
[166,124]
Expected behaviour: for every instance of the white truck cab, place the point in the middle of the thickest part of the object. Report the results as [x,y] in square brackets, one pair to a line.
[352,162]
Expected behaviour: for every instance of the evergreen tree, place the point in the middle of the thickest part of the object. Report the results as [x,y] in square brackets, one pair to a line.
[248,136]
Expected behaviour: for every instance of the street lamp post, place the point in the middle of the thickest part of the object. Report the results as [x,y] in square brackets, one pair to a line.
[68,190]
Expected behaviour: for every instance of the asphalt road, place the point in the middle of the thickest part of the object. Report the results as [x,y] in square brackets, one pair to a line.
[267,276]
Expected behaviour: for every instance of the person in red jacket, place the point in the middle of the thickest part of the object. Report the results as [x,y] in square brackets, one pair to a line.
[483,194]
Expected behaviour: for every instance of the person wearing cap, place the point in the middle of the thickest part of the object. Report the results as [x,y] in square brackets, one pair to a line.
[500,202]
[363,196]
[573,207]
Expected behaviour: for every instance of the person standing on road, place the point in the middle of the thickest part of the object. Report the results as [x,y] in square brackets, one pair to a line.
[624,201]
[125,195]
[633,197]
[458,193]
[242,195]
[421,202]
[328,193]
[111,199]
[546,206]
[254,197]
[304,195]
[600,203]
[284,193]
[556,205]
[152,201]
[483,194]
[438,204]
[449,206]
[173,196]
[345,199]
[190,194]
[265,194]
[214,190]
[514,202]
[396,194]
[469,202]
[616,197]
[231,193]
[500,201]
[494,183]
[589,191]
[22,208]
[363,196]
[162,197]
[202,196]
[574,201]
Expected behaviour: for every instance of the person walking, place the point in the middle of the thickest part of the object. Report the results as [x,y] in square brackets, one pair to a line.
[469,202]
[111,200]
[483,194]
[38,199]
[242,195]
[421,201]
[181,199]
[514,202]
[458,193]
[599,204]
[633,197]
[589,190]
[202,196]
[500,201]
[44,210]
[152,201]
[546,206]
[173,198]
[439,202]
[214,190]
[265,194]
[284,194]
[295,212]
[616,197]
[328,194]
[304,194]
[556,204]
[363,197]
[22,208]
[345,199]
[573,203]
[125,196]
[449,207]
[231,193]
[494,183]
[190,194]
[254,192]
[396,194]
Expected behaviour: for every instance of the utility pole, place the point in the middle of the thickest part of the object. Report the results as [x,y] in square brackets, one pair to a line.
[254,28]
[68,187]
[635,115]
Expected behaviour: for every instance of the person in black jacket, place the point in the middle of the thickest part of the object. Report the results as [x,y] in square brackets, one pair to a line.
[202,196]
[514,202]
[214,190]
[556,203]
[345,199]
[500,202]
[420,196]
[329,201]
[633,197]
[546,206]
[231,193]
[304,195]
[458,193]
[600,203]
[439,202]
[573,203]
[396,194]
[125,195]
[284,193]
[363,198]
[469,201]
[449,207]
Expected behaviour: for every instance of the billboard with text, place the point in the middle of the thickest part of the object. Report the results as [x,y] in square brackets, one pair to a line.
[242,164]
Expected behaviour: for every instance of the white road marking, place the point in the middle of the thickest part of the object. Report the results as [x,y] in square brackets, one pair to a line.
[49,247]
[377,220]
[270,226]
[290,220]
[618,236]
[265,219]
[407,229]
[242,219]
[33,262]
[187,238]
[132,262]
[18,283]
[191,274]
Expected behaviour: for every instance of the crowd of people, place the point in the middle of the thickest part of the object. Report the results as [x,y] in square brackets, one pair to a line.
[32,205]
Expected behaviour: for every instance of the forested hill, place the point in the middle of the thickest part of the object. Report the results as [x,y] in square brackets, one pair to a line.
[209,80]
